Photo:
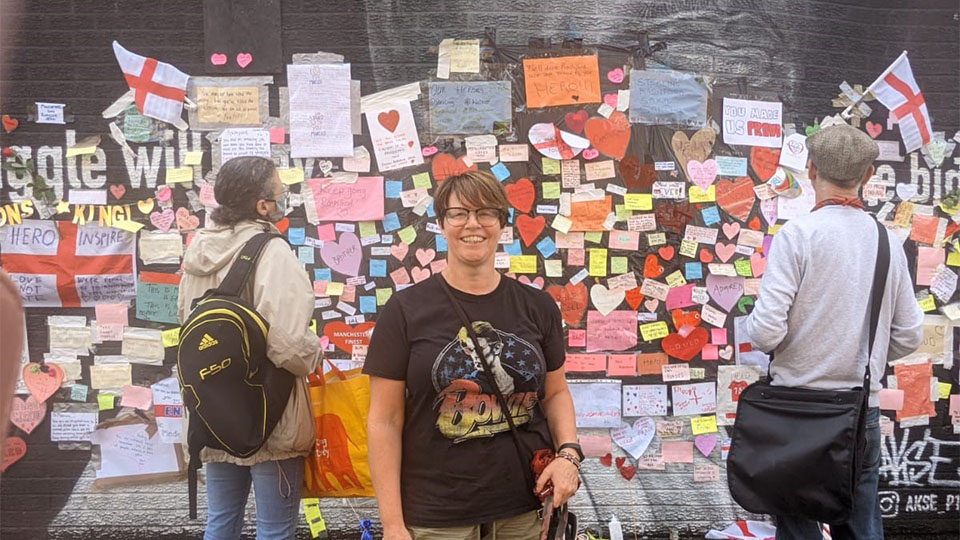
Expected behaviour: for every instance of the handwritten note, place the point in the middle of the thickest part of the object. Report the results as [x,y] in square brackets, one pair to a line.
[470,107]
[597,404]
[564,80]
[394,136]
[320,110]
[645,400]
[157,302]
[233,105]
[615,332]
[241,142]
[667,97]
[348,201]
[696,398]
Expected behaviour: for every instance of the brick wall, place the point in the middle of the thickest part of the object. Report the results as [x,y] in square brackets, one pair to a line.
[59,51]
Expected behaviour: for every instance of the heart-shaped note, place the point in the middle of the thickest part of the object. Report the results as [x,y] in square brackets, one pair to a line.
[424,256]
[162,220]
[609,135]
[218,59]
[605,300]
[399,251]
[615,76]
[117,190]
[428,151]
[705,256]
[651,267]
[42,384]
[874,130]
[590,153]
[576,121]
[344,255]
[726,353]
[705,443]
[389,119]
[695,148]
[554,143]
[651,304]
[810,130]
[754,223]
[627,472]
[445,165]
[14,449]
[606,460]
[731,229]
[611,100]
[573,301]
[683,318]
[27,414]
[244,59]
[637,176]
[769,209]
[666,252]
[282,225]
[529,228]
[702,174]
[757,264]
[145,206]
[419,274]
[736,197]
[633,297]
[344,337]
[685,348]
[725,290]
[634,439]
[186,221]
[764,161]
[536,283]
[724,251]
[674,216]
[906,191]
[521,194]
[9,123]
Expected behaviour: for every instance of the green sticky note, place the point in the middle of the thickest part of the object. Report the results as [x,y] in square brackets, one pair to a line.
[594,237]
[368,229]
[105,401]
[743,267]
[407,234]
[618,265]
[550,166]
[422,181]
[621,212]
[551,190]
[383,295]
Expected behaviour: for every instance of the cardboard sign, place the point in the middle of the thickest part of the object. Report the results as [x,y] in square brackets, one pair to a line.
[563,80]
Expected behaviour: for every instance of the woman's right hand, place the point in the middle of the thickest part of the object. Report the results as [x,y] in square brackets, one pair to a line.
[396,533]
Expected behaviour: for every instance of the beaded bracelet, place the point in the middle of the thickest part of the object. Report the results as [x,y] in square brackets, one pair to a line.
[571,459]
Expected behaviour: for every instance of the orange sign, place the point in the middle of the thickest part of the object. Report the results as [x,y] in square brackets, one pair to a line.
[590,215]
[563,80]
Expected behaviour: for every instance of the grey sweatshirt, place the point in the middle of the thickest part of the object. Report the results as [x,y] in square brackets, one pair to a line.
[811,310]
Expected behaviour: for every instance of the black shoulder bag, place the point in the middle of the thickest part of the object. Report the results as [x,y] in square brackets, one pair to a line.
[798,451]
[559,523]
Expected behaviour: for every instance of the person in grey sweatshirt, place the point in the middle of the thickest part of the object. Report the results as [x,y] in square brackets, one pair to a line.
[811,310]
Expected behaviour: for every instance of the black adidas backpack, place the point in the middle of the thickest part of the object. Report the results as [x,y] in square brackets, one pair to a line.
[235,395]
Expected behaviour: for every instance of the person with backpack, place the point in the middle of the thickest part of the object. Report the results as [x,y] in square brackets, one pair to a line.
[276,302]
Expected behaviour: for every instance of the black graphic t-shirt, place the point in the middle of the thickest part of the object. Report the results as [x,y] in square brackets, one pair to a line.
[459,462]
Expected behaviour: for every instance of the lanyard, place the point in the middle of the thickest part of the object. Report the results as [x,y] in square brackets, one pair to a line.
[837,201]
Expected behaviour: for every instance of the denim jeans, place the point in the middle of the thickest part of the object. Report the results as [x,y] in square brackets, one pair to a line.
[276,490]
[865,522]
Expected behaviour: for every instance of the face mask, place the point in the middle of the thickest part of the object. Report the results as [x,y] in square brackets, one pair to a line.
[281,208]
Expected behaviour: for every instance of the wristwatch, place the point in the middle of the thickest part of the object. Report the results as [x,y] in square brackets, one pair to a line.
[573,446]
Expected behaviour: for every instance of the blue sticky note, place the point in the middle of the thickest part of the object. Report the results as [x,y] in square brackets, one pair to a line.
[510,218]
[430,211]
[322,274]
[731,165]
[391,222]
[513,249]
[378,268]
[306,254]
[296,235]
[693,270]
[368,304]
[710,215]
[547,247]
[500,171]
[392,189]
[441,243]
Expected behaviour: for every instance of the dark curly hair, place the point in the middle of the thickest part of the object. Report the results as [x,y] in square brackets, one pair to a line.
[240,183]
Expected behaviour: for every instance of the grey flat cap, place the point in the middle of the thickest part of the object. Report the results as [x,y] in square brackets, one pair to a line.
[842,153]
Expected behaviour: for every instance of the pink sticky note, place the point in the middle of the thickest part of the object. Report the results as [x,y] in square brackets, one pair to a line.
[326,233]
[615,332]
[361,200]
[622,365]
[349,294]
[927,261]
[400,276]
[577,337]
[677,451]
[138,397]
[680,297]
[111,314]
[319,288]
[709,352]
[575,257]
[277,135]
[954,409]
[891,399]
[718,336]
[585,362]
[595,445]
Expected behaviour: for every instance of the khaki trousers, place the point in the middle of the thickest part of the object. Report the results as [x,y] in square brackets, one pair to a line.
[523,527]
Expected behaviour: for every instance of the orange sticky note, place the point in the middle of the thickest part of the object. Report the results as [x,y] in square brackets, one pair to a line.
[561,80]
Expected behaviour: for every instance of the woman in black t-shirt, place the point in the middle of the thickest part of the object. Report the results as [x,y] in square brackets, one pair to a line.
[441,452]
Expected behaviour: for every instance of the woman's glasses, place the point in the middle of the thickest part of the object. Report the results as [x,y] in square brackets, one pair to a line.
[486,217]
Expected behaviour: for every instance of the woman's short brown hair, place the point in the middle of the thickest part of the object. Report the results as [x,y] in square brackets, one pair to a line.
[477,188]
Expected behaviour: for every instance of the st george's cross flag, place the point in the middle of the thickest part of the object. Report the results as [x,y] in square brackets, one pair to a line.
[159,88]
[898,91]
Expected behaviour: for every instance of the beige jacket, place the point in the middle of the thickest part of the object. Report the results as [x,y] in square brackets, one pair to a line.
[283,295]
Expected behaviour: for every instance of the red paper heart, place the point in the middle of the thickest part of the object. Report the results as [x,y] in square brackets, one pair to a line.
[282,225]
[389,119]
[674,216]
[636,175]
[445,165]
[573,301]
[754,223]
[764,161]
[42,384]
[10,123]
[736,197]
[14,449]
[344,337]
[633,297]
[118,190]
[575,121]
[705,256]
[685,348]
[27,414]
[627,472]
[609,135]
[681,318]
[666,252]
[606,460]
[620,461]
[529,228]
[521,194]
[874,130]
[651,267]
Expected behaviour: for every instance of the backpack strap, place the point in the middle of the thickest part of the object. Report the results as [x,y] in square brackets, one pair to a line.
[245,263]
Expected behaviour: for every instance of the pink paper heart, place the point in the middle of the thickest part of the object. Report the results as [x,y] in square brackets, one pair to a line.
[731,229]
[162,220]
[725,251]
[419,274]
[424,256]
[164,193]
[615,76]
[702,174]
[218,59]
[186,221]
[610,99]
[118,190]
[770,210]
[27,414]
[428,151]
[590,153]
[536,283]
[725,290]
[757,264]
[651,304]
[705,443]
[399,251]
[343,256]
[244,59]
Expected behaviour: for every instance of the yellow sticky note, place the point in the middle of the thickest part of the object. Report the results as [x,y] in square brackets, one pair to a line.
[291,176]
[688,248]
[313,325]
[594,237]
[638,201]
[523,264]
[773,229]
[618,265]
[422,181]
[550,166]
[465,56]
[551,190]
[943,389]
[407,234]
[953,258]
[562,223]
[193,158]
[82,151]
[654,330]
[105,402]
[704,424]
[598,262]
[697,195]
[171,337]
[743,267]
[676,279]
[334,288]
[176,176]
[383,295]
[127,225]
[927,304]
[368,229]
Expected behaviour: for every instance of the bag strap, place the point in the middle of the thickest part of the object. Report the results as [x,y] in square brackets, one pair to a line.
[876,294]
[242,267]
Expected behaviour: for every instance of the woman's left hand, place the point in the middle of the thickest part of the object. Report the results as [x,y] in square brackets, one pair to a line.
[565,477]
